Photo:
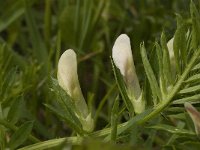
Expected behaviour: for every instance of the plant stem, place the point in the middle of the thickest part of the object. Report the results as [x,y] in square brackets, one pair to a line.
[52,143]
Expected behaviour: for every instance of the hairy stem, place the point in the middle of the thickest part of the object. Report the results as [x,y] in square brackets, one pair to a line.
[52,143]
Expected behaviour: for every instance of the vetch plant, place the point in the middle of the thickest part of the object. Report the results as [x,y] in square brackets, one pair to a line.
[68,80]
[123,59]
[150,105]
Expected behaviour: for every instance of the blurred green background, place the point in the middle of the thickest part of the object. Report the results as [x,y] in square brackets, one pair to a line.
[34,33]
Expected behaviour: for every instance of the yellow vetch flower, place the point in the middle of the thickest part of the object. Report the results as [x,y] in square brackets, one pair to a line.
[170,45]
[123,59]
[68,80]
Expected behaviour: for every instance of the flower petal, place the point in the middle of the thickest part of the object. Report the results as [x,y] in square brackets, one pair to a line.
[67,71]
[68,80]
[170,48]
[123,59]
[121,53]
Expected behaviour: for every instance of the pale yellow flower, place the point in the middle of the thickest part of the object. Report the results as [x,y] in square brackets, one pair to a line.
[68,80]
[170,44]
[123,59]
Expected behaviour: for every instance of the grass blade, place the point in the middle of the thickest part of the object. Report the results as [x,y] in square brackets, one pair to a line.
[40,50]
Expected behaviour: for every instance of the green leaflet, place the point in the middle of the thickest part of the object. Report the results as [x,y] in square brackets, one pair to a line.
[196,67]
[166,61]
[192,99]
[122,88]
[150,75]
[172,129]
[114,119]
[195,16]
[67,118]
[190,89]
[21,135]
[162,81]
[15,110]
[179,45]
[66,108]
[193,78]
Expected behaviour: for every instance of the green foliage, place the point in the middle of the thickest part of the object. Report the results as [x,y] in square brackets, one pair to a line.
[65,108]
[14,112]
[114,119]
[20,135]
[172,129]
[34,33]
[122,88]
[150,75]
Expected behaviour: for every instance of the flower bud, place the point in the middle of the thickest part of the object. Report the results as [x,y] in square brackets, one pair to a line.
[68,80]
[195,115]
[123,59]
